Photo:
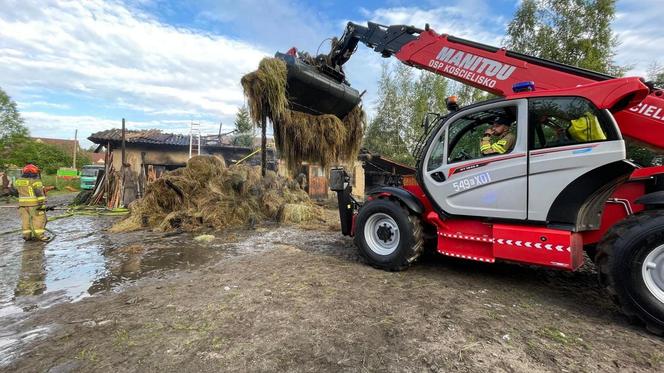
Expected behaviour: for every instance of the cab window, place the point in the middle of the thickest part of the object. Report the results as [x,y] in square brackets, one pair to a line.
[437,155]
[482,134]
[561,121]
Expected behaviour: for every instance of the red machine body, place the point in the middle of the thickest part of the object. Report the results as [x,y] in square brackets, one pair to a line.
[639,116]
[497,70]
[611,209]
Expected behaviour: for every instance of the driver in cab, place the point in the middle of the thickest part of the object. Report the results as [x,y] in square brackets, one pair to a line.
[498,139]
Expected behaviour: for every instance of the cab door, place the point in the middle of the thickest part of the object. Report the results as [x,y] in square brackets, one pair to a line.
[461,181]
[569,138]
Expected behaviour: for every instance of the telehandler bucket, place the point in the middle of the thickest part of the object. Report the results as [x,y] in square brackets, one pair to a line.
[313,92]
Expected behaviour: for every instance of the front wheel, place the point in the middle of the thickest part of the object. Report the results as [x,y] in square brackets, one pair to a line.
[631,266]
[387,235]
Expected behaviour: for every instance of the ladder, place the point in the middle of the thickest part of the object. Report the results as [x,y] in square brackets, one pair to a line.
[194,130]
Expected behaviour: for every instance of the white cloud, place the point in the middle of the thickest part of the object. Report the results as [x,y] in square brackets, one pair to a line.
[45,104]
[470,19]
[103,51]
[278,24]
[457,19]
[63,126]
[637,26]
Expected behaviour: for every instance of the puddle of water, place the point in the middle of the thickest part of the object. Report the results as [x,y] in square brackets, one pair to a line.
[81,260]
[84,259]
[10,344]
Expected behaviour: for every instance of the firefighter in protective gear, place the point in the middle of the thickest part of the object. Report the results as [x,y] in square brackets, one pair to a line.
[31,203]
[498,139]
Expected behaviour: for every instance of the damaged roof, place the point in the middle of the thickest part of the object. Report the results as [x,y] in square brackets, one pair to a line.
[156,137]
[139,137]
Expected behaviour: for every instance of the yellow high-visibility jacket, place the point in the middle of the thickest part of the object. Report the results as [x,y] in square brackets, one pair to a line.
[30,192]
[501,145]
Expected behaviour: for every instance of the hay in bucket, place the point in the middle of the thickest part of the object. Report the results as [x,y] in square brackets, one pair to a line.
[301,137]
[208,195]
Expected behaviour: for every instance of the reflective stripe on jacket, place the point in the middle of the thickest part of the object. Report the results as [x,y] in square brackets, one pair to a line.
[501,146]
[30,192]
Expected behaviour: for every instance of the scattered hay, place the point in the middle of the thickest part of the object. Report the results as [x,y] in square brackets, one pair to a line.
[298,213]
[265,88]
[204,238]
[301,137]
[207,194]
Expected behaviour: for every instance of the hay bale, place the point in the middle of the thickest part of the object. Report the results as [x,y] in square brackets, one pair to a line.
[301,137]
[298,212]
[206,194]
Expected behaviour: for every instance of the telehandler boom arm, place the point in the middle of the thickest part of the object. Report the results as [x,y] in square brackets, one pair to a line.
[495,70]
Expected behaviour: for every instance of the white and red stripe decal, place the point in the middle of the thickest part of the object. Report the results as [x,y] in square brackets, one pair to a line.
[509,242]
[477,258]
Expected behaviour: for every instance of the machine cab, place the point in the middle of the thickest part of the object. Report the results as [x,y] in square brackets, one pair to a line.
[515,158]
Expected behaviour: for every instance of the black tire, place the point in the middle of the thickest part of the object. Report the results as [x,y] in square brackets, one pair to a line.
[410,235]
[620,257]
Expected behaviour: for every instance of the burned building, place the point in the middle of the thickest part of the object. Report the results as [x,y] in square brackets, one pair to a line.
[166,151]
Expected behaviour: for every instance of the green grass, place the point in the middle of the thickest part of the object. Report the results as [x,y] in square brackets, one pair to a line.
[61,184]
[558,336]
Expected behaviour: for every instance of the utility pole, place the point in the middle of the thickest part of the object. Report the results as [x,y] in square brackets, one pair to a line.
[124,160]
[219,137]
[75,146]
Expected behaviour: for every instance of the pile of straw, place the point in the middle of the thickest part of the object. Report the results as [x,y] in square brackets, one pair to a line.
[301,137]
[207,194]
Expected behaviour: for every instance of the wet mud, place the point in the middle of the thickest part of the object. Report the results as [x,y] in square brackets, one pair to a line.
[287,298]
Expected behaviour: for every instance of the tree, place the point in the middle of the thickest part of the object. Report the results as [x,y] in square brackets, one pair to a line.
[575,32]
[11,123]
[244,135]
[48,157]
[656,74]
[405,97]
[12,129]
[386,132]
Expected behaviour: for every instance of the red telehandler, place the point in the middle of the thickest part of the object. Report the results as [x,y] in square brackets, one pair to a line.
[561,186]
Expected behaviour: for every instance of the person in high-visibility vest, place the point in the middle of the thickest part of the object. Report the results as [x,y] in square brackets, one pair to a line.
[31,203]
[498,139]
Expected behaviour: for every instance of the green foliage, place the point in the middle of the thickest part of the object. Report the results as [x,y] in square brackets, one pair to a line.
[60,183]
[245,129]
[656,74]
[47,157]
[12,129]
[387,133]
[405,98]
[11,123]
[639,154]
[575,32]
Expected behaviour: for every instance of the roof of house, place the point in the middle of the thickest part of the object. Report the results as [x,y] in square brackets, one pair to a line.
[157,137]
[139,137]
[62,144]
[97,158]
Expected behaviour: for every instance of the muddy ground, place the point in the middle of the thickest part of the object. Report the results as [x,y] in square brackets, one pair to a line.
[300,299]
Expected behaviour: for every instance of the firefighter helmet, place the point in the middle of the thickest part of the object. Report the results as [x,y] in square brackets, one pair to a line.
[30,169]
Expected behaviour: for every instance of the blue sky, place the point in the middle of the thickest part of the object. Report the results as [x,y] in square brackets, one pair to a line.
[163,63]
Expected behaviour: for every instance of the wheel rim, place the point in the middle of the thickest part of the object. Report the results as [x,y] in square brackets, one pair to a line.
[381,233]
[653,272]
